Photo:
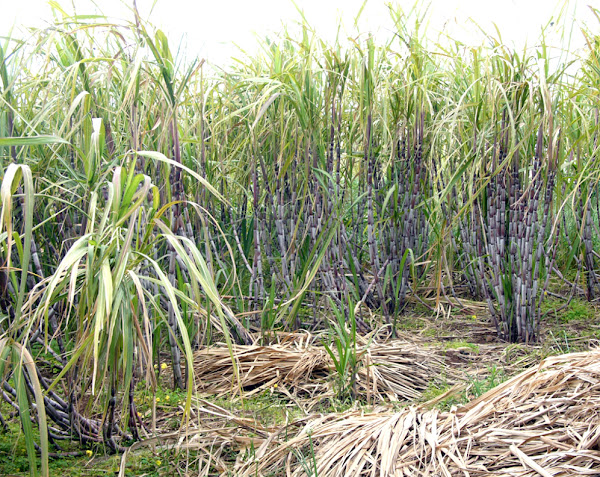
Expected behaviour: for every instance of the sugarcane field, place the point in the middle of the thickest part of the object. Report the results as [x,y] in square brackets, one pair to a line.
[366,250]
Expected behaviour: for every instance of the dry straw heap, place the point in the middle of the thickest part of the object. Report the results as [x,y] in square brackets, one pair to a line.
[545,421]
[395,370]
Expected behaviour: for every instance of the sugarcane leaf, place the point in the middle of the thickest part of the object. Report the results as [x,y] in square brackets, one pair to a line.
[161,157]
[31,141]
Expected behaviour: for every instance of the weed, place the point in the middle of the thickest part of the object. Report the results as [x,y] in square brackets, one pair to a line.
[561,342]
[309,464]
[478,386]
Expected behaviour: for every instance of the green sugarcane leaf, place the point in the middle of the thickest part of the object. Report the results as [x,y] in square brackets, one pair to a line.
[24,414]
[31,141]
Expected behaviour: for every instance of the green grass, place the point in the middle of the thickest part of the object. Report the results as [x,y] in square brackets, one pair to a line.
[13,454]
[476,386]
[461,344]
[410,323]
[430,333]
[480,385]
[578,310]
[569,329]
[436,389]
[269,407]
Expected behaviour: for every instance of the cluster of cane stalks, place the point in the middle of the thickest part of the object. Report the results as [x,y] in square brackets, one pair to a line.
[153,203]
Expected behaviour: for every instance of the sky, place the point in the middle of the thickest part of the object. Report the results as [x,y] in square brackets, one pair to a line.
[216,29]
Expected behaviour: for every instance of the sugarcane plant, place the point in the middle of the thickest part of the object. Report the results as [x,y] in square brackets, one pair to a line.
[583,199]
[153,204]
[517,229]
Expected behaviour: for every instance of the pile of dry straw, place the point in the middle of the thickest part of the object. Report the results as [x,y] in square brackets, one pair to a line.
[391,371]
[545,421]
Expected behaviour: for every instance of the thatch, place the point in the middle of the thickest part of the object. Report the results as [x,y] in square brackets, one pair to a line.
[545,421]
[396,370]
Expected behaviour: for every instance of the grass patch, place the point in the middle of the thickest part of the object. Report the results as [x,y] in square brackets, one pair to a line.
[268,407]
[436,389]
[476,386]
[461,344]
[578,310]
[430,333]
[411,323]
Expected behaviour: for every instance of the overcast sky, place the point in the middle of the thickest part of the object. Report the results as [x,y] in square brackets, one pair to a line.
[210,28]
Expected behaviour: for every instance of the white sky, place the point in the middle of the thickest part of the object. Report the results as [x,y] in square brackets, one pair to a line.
[210,27]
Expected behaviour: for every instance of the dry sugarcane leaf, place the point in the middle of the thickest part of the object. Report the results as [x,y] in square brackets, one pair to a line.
[526,426]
